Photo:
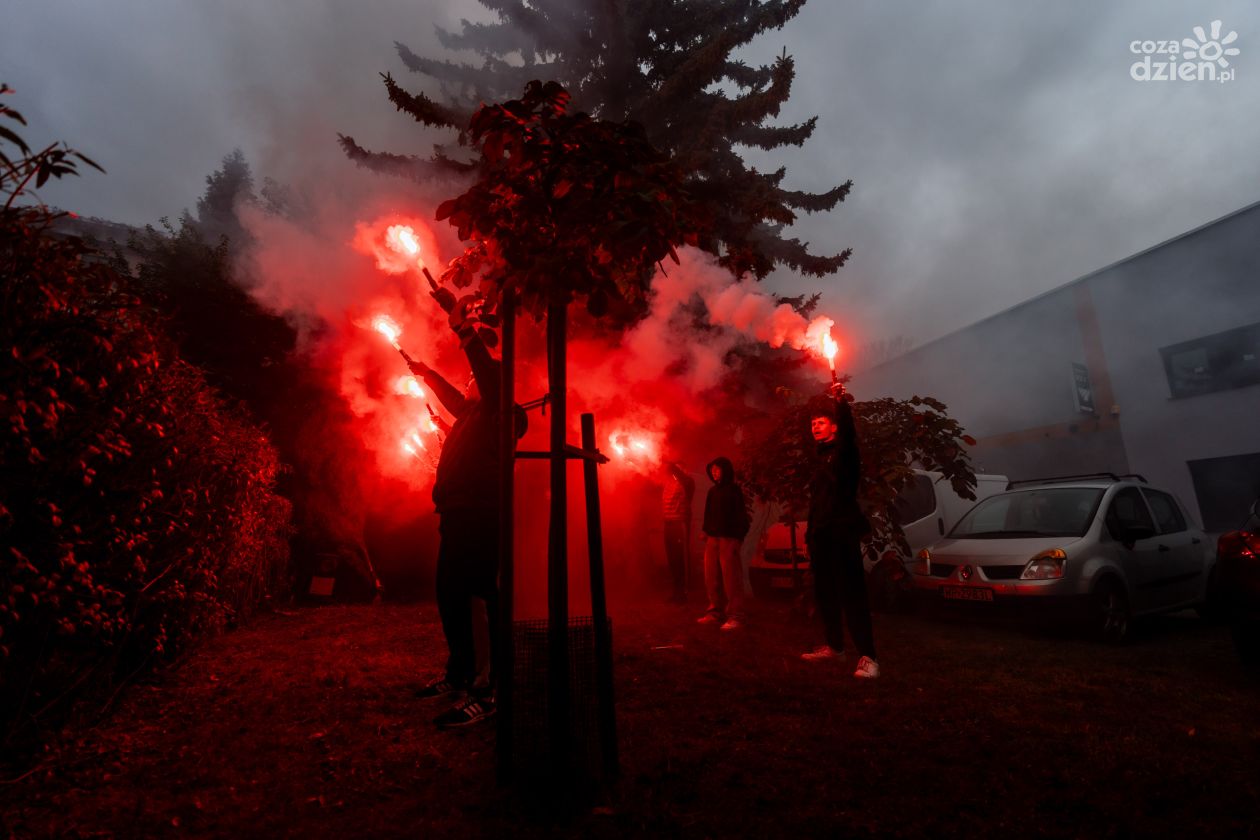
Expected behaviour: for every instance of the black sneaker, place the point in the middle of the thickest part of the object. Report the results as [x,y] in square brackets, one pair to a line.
[438,688]
[473,710]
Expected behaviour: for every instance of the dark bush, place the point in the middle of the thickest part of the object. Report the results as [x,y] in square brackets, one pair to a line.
[137,507]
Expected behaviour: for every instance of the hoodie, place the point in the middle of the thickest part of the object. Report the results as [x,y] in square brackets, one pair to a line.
[725,513]
[834,512]
[468,468]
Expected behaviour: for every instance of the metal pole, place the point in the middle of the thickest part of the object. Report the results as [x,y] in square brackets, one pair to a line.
[607,716]
[558,701]
[506,667]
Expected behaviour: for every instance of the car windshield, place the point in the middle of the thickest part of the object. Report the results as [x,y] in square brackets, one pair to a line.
[1036,512]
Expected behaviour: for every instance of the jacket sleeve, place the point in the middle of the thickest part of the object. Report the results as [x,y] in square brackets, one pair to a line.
[485,367]
[707,524]
[450,397]
[848,467]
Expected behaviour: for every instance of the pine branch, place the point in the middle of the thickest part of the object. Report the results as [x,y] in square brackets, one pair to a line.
[773,137]
[423,109]
[794,253]
[493,81]
[805,305]
[745,76]
[406,166]
[483,38]
[446,71]
[816,202]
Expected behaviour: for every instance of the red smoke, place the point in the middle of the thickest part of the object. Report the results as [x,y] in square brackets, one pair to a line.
[656,390]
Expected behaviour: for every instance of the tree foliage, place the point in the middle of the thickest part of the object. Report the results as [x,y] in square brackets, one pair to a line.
[195,275]
[565,205]
[666,64]
[895,437]
[136,508]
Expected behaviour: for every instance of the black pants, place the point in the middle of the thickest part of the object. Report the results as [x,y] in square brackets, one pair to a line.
[676,533]
[467,568]
[840,592]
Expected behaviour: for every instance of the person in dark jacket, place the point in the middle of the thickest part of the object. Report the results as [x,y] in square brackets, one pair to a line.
[834,535]
[677,490]
[725,526]
[465,494]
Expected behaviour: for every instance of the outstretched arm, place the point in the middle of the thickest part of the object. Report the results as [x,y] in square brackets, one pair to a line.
[849,465]
[450,397]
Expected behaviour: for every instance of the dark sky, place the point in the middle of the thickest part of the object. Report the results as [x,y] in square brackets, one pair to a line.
[998,148]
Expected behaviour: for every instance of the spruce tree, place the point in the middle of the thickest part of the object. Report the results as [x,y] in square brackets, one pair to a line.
[664,63]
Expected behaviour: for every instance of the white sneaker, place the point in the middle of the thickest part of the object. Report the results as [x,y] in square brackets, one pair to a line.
[821,653]
[732,624]
[707,618]
[867,668]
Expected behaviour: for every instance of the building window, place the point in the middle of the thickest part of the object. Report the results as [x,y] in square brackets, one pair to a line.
[1229,359]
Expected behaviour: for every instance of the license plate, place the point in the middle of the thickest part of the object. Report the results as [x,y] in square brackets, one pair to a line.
[966,593]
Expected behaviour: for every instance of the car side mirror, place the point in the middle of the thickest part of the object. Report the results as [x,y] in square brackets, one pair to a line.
[1136,533]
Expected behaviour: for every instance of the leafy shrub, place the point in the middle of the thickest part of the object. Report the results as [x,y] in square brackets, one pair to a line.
[894,437]
[137,507]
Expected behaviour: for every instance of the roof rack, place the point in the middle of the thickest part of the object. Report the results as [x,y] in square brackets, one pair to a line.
[1060,479]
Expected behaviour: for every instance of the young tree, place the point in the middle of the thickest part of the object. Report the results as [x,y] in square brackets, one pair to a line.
[565,206]
[666,64]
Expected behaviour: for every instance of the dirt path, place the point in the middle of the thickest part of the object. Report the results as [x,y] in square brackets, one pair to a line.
[304,724]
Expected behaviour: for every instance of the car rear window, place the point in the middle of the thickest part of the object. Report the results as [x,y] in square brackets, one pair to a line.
[1036,512]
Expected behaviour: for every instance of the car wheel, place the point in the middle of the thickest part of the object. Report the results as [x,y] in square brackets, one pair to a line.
[1110,614]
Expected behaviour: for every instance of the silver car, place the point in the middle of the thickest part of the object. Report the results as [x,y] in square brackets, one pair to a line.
[1111,547]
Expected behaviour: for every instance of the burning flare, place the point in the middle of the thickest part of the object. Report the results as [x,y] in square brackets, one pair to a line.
[387,327]
[408,387]
[402,239]
[830,349]
[637,448]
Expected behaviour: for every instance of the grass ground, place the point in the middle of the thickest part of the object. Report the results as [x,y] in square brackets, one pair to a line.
[303,724]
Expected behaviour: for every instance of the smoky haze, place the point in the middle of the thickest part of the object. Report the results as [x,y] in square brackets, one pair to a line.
[997,149]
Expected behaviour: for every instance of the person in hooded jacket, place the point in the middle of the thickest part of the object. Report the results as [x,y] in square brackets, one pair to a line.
[834,535]
[465,494]
[725,526]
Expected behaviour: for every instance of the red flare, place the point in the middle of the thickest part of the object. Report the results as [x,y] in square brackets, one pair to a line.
[408,387]
[830,349]
[387,327]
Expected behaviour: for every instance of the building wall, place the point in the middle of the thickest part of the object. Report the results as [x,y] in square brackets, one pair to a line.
[1008,378]
[1204,283]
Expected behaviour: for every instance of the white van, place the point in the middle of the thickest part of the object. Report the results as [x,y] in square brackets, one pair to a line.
[929,507]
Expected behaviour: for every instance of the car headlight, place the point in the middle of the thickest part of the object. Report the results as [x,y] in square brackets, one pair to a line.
[923,563]
[1045,566]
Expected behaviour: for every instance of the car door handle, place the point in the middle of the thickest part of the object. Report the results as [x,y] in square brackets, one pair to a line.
[1196,540]
[1164,548]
